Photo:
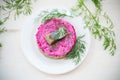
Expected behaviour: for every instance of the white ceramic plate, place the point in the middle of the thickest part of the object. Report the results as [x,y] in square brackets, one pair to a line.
[43,63]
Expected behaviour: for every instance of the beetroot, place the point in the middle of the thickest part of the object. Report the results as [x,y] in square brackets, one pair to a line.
[63,46]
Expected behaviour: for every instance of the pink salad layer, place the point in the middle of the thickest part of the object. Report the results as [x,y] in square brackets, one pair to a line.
[60,48]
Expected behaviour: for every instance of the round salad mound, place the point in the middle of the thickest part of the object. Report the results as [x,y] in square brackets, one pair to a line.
[56,48]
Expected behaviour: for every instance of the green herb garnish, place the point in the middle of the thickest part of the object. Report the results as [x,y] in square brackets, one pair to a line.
[1,31]
[77,51]
[0,45]
[15,7]
[92,22]
[97,3]
[55,13]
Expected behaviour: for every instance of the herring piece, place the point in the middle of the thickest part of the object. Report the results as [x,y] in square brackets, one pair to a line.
[55,36]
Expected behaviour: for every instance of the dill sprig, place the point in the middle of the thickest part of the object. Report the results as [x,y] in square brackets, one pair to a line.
[92,22]
[55,13]
[77,51]
[97,3]
[1,31]
[0,45]
[15,7]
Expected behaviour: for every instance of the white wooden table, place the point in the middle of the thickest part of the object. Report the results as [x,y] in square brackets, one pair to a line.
[98,65]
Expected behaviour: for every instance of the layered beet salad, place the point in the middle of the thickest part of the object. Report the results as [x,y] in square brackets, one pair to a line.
[56,37]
